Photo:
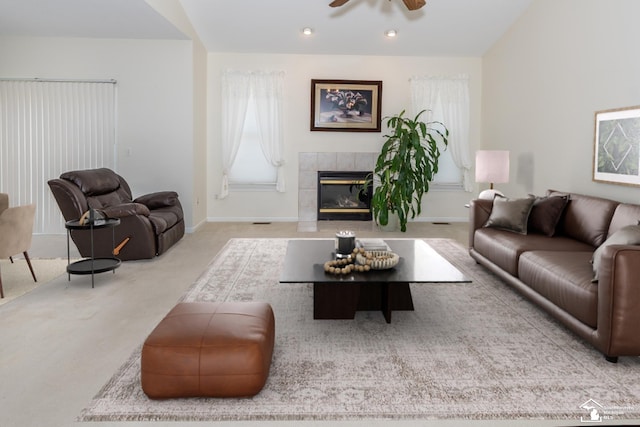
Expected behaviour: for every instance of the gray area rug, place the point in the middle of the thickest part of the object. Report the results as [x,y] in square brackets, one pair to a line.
[468,351]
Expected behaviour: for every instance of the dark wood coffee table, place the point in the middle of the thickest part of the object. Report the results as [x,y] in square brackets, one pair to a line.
[340,296]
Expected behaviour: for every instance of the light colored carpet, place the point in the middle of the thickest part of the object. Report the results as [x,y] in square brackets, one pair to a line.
[17,279]
[468,351]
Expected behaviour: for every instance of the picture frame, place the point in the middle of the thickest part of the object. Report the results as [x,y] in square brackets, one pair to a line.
[346,105]
[616,150]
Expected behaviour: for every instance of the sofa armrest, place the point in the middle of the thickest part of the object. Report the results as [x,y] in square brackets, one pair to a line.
[158,200]
[619,300]
[124,210]
[479,212]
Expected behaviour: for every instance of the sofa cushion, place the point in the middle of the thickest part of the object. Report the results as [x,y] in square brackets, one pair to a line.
[563,278]
[113,198]
[503,248]
[629,235]
[586,218]
[165,218]
[625,214]
[510,214]
[546,213]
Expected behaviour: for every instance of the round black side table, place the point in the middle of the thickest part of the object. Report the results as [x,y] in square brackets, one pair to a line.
[91,265]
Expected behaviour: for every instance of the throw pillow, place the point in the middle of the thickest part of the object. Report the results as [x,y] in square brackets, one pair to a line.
[629,235]
[546,213]
[510,214]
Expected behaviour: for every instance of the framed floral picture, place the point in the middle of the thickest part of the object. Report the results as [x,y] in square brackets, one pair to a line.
[346,105]
[616,151]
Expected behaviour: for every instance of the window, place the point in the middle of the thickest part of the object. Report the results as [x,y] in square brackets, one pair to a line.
[251,169]
[252,143]
[446,100]
[449,175]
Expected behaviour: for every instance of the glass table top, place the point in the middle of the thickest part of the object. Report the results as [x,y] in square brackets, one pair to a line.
[419,263]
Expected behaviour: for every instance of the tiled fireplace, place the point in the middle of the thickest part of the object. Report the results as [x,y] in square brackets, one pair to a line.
[308,166]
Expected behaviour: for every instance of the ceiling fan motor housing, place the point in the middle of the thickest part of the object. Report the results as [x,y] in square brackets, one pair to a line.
[410,4]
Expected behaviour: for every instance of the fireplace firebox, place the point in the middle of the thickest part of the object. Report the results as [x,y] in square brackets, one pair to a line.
[344,195]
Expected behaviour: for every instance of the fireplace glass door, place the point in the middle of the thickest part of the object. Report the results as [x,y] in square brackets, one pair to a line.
[344,196]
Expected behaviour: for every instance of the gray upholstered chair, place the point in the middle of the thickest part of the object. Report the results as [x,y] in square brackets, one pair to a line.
[16,230]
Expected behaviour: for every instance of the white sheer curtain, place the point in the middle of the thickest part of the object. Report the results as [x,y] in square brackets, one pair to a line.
[235,97]
[268,88]
[238,87]
[451,96]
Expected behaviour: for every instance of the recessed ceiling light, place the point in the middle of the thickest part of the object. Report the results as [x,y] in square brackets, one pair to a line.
[391,33]
[307,31]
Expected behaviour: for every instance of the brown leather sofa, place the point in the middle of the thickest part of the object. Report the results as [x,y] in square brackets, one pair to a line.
[555,271]
[152,223]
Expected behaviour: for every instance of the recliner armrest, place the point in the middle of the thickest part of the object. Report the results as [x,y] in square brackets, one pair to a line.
[158,200]
[125,209]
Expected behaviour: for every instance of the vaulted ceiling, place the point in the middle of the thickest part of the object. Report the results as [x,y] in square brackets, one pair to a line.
[441,28]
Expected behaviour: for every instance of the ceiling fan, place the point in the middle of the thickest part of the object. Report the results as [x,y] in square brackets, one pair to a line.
[411,4]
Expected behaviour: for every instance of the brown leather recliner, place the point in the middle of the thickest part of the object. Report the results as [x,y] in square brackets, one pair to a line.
[152,223]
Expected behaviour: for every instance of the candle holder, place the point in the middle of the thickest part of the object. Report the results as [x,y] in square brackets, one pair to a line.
[345,243]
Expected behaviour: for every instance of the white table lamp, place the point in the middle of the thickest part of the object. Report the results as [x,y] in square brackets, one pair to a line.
[492,166]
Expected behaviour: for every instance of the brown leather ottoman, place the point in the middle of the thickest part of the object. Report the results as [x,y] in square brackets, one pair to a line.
[211,349]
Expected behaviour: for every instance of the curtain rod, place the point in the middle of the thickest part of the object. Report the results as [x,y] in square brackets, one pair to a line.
[36,79]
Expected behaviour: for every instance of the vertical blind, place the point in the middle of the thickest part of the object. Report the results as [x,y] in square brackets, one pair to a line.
[49,127]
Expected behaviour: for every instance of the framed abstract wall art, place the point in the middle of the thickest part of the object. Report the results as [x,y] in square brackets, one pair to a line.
[616,151]
[346,105]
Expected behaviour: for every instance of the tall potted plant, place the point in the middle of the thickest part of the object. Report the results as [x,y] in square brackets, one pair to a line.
[407,163]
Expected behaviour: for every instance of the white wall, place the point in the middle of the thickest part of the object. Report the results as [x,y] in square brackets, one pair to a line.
[300,69]
[173,11]
[155,100]
[545,79]
[199,173]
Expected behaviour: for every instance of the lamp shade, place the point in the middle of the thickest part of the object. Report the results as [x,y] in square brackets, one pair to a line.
[492,166]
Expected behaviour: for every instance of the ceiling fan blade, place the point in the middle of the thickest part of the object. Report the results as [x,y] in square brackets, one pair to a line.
[414,4]
[336,3]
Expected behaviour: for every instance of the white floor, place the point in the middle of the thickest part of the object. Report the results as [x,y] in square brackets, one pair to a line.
[62,342]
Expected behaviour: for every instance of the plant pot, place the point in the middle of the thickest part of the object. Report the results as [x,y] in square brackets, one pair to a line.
[392,225]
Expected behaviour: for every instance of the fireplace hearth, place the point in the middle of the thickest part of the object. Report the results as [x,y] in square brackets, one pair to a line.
[344,195]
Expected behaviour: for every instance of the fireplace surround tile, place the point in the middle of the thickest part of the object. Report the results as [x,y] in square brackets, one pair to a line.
[308,162]
[345,162]
[327,161]
[307,205]
[365,161]
[308,180]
